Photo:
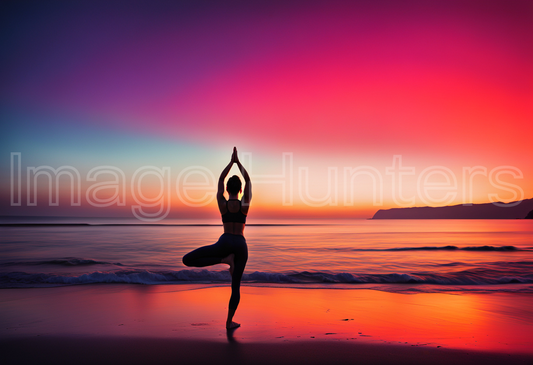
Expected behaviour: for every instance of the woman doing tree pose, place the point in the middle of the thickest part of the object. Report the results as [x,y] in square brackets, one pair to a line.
[231,247]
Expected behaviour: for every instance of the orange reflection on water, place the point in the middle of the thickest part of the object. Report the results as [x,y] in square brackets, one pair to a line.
[488,322]
[496,322]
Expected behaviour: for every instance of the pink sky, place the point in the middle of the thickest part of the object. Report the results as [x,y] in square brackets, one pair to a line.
[336,84]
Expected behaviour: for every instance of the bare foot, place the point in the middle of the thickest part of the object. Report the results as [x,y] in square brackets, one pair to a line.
[230,260]
[232,325]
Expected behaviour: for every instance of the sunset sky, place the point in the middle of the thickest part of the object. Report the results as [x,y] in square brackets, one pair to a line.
[441,85]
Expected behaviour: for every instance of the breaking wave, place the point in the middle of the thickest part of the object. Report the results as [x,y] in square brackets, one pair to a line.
[515,273]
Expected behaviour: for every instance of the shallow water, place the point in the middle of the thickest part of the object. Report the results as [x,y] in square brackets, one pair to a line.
[390,255]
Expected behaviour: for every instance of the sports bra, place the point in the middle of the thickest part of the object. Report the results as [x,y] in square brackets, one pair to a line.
[238,216]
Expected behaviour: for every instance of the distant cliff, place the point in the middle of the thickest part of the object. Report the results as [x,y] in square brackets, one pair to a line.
[475,211]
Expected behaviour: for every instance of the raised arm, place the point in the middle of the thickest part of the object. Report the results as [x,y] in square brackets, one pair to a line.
[223,174]
[247,193]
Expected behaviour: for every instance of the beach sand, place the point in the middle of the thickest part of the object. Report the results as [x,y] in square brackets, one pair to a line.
[184,324]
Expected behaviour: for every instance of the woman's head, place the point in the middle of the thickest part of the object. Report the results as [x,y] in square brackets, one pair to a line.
[234,185]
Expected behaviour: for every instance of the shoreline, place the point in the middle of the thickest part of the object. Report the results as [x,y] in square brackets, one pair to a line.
[124,323]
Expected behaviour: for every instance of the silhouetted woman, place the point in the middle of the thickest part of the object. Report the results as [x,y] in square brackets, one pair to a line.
[231,247]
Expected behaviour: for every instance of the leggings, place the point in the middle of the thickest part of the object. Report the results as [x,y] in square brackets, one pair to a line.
[211,255]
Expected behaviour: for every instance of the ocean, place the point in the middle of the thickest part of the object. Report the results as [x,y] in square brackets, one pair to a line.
[404,256]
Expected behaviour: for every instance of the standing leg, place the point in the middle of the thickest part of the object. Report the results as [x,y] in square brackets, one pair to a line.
[240,263]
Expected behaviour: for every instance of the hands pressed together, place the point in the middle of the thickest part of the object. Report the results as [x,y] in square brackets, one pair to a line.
[235,156]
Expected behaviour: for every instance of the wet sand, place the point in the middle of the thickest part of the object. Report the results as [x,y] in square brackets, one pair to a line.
[184,324]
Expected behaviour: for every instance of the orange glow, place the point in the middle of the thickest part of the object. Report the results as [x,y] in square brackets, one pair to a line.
[479,322]
[495,322]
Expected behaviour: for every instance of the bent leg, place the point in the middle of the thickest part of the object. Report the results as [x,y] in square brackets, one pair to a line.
[204,256]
